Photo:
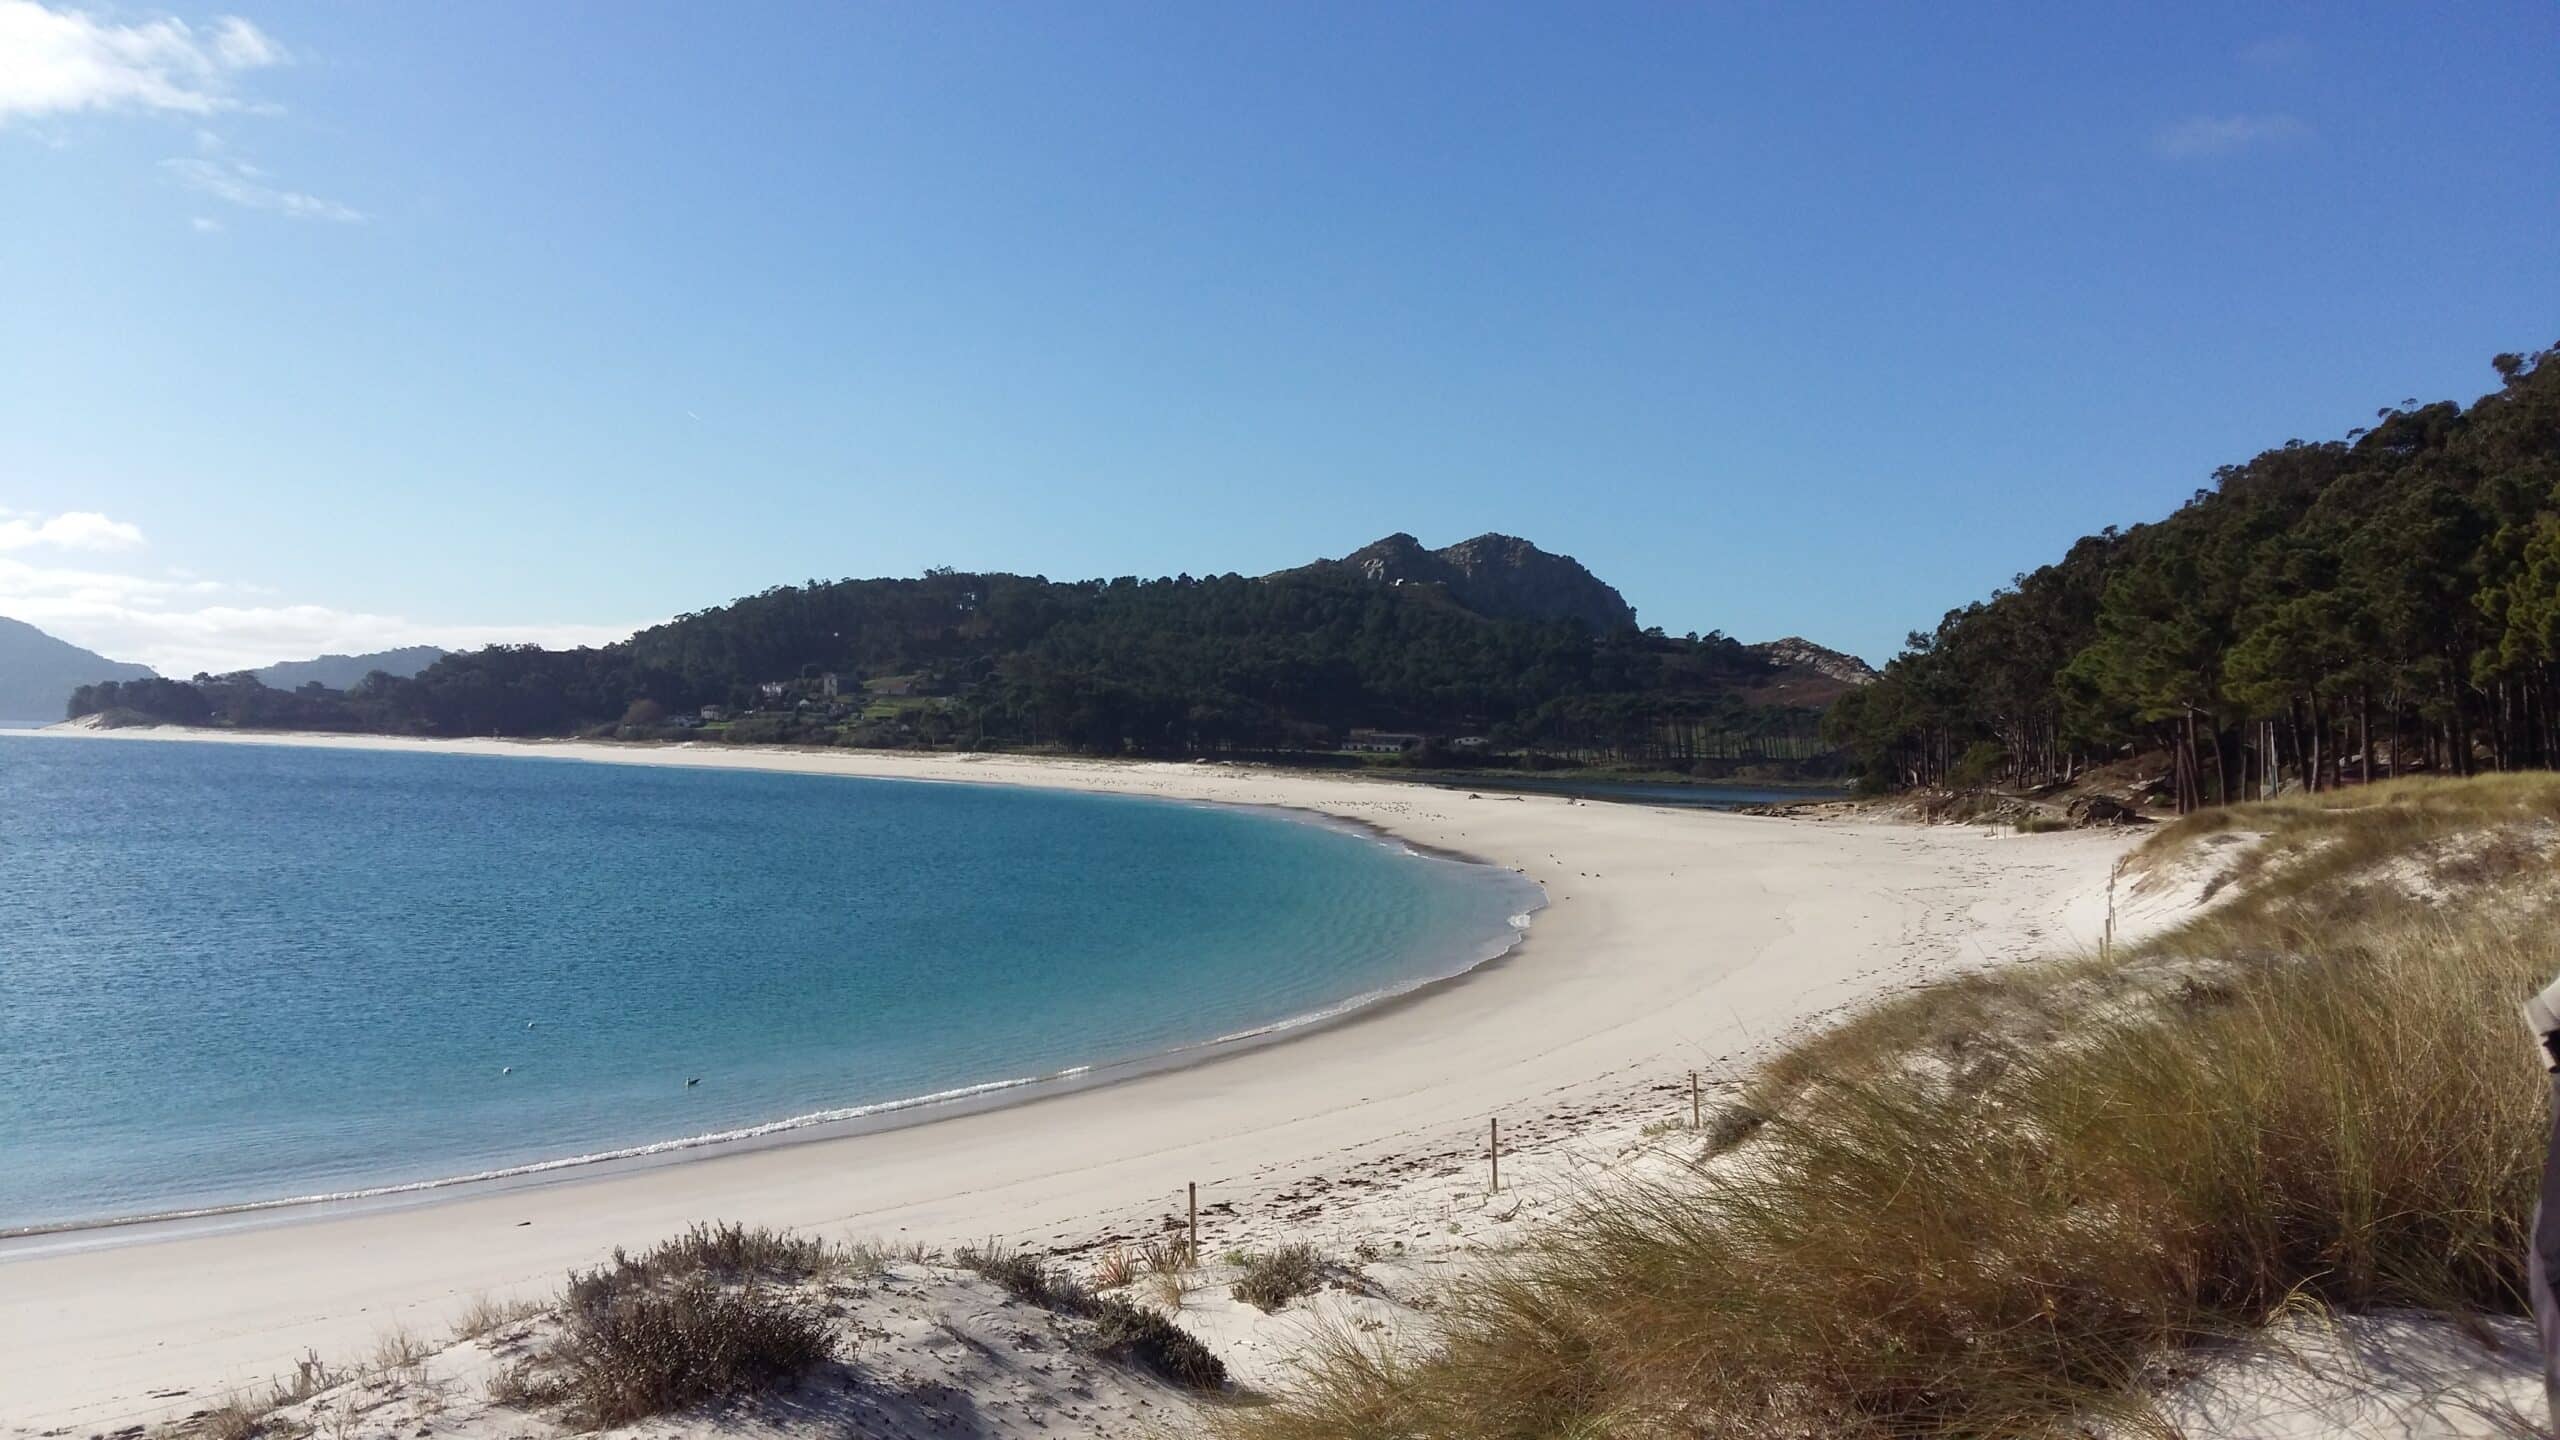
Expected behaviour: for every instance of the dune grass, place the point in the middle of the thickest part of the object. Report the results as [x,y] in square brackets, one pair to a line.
[1994,1208]
[870,1259]
[1022,1274]
[1270,1279]
[1117,1328]
[483,1315]
[629,1351]
[1136,1334]
[2313,843]
[728,1251]
[710,1314]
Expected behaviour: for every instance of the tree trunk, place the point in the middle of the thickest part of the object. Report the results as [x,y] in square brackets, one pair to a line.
[2319,750]
[2364,735]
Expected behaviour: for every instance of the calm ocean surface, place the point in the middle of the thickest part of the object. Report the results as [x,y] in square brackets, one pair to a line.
[234,973]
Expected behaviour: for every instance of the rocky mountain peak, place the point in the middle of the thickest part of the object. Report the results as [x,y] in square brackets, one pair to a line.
[1803,654]
[1501,577]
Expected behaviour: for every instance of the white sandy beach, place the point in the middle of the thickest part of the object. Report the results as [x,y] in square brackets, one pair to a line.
[1673,940]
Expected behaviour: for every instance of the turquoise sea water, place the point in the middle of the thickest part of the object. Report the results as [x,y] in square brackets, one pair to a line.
[234,973]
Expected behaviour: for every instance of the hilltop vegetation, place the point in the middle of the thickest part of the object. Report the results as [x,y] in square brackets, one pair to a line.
[2353,608]
[1501,577]
[1179,666]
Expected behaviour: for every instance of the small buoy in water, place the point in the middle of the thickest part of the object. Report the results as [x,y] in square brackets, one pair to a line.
[696,1080]
[528,1024]
[506,1069]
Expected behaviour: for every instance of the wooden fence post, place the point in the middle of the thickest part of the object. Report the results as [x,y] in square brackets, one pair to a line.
[1194,1188]
[2107,938]
[1494,1153]
[1697,1106]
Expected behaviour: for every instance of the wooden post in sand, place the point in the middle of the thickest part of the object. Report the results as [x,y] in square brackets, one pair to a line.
[1194,1256]
[1697,1107]
[1494,1153]
[2107,939]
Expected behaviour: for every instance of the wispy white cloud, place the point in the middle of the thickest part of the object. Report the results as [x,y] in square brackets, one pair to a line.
[239,183]
[180,623]
[57,61]
[243,46]
[204,224]
[2201,136]
[61,61]
[71,530]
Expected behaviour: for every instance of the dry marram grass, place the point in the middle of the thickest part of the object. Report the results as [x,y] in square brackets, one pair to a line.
[1993,1208]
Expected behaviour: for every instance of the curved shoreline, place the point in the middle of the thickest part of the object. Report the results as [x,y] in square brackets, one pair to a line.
[830,1123]
[1674,940]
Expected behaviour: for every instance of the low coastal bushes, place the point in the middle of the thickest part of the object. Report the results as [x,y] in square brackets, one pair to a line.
[628,1351]
[1997,1208]
[1141,1336]
[1121,1330]
[724,1252]
[711,1314]
[1022,1275]
[1272,1278]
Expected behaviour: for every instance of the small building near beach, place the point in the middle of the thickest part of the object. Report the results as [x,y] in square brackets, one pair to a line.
[1380,742]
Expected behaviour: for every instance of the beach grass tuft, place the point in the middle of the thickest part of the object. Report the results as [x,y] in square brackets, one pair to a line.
[872,1258]
[1141,1336]
[310,1376]
[727,1251]
[1270,1279]
[710,1314]
[527,1384]
[399,1354]
[235,1419]
[1115,1268]
[1171,1289]
[1021,1274]
[1733,1124]
[483,1316]
[1120,1329]
[631,1349]
[1995,1207]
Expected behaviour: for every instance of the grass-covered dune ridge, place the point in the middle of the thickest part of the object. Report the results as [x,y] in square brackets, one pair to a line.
[2003,1206]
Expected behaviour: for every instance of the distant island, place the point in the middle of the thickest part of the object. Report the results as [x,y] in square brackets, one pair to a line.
[342,672]
[1488,652]
[38,671]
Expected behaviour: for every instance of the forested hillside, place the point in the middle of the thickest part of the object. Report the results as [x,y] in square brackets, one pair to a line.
[2326,612]
[1178,666]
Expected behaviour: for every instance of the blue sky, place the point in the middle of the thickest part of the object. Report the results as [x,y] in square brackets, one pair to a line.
[332,326]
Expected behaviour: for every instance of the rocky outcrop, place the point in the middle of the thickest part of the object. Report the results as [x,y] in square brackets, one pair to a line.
[2101,811]
[1501,577]
[1799,653]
